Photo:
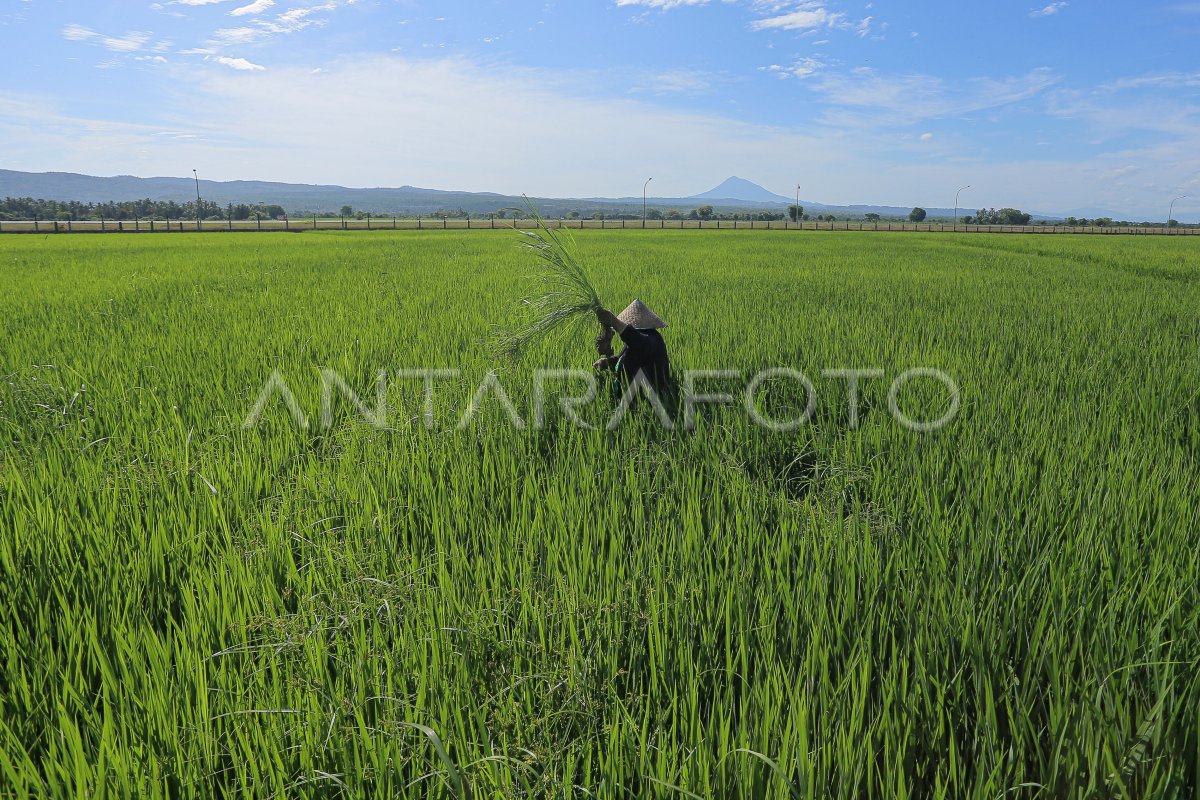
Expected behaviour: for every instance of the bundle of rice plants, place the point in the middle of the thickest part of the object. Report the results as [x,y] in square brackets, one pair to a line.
[563,297]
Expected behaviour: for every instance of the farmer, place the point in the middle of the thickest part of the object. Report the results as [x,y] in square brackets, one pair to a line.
[645,351]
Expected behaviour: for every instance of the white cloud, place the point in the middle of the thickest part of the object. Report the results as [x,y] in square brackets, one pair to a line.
[78,33]
[1114,116]
[665,5]
[199,2]
[159,8]
[866,98]
[239,63]
[864,27]
[1119,172]
[293,16]
[290,21]
[237,35]
[679,81]
[257,7]
[776,6]
[802,19]
[1050,10]
[130,42]
[1162,80]
[800,68]
[926,137]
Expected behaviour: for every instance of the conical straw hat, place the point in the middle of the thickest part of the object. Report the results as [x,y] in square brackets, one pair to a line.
[639,315]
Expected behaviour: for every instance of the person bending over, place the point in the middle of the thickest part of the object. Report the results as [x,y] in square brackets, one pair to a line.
[645,351]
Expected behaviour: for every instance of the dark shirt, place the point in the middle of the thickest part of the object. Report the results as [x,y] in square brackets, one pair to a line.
[645,351]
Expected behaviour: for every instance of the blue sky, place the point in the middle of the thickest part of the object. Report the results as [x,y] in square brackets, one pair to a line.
[1056,107]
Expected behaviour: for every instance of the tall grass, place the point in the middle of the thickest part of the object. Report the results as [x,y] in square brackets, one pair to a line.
[1007,608]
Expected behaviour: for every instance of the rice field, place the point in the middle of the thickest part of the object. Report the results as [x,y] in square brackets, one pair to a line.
[1005,607]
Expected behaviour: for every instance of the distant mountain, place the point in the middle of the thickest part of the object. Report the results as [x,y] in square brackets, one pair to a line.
[734,194]
[735,188]
[295,197]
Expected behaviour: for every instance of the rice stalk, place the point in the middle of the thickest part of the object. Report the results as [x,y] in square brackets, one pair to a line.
[564,294]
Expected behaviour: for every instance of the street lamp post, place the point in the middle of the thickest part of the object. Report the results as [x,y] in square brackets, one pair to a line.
[797,202]
[1171,213]
[956,194]
[198,216]
[644,185]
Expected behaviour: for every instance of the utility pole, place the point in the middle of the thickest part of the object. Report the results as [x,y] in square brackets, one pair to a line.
[956,194]
[1171,213]
[198,215]
[644,185]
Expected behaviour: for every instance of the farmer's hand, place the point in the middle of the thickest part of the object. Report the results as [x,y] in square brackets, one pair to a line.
[609,320]
[601,363]
[604,342]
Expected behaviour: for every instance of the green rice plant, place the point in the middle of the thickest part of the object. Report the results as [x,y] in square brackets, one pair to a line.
[1006,608]
[563,297]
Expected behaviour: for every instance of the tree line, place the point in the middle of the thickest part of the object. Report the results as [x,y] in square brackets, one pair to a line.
[15,208]
[63,210]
